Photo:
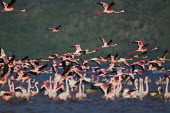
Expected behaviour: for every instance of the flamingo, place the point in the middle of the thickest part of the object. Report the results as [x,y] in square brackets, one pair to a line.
[163,58]
[80,95]
[55,30]
[6,72]
[157,94]
[66,94]
[52,91]
[37,70]
[167,94]
[9,7]
[19,90]
[22,76]
[109,92]
[106,44]
[142,48]
[7,95]
[33,93]
[26,95]
[108,8]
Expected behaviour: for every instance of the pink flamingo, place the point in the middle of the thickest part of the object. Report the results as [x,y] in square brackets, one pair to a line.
[141,47]
[108,8]
[9,7]
[33,93]
[7,95]
[55,30]
[106,44]
[167,94]
[80,95]
[26,95]
[163,58]
[65,95]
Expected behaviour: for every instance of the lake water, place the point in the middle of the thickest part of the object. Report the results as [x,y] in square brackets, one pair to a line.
[93,103]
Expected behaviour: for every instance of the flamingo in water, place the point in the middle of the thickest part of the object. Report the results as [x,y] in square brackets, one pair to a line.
[108,8]
[167,94]
[80,95]
[66,94]
[9,7]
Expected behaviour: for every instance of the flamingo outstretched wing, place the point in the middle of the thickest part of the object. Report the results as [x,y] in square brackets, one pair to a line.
[11,4]
[58,27]
[111,5]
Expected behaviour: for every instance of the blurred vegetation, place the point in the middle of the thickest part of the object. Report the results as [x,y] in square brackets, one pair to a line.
[25,34]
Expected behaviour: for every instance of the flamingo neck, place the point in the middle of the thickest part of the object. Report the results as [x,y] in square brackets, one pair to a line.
[29,85]
[67,89]
[147,89]
[159,91]
[167,82]
[50,83]
[55,83]
[140,85]
[136,86]
[9,84]
[80,84]
[37,90]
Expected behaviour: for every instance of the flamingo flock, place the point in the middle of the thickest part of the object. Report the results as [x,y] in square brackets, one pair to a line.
[71,77]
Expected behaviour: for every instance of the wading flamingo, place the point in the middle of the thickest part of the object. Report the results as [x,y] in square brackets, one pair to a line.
[66,94]
[167,94]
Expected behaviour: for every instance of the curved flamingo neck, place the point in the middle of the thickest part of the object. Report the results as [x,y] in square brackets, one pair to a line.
[37,90]
[167,82]
[29,85]
[147,88]
[50,83]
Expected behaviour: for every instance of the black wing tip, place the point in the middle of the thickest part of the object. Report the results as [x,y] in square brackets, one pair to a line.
[99,3]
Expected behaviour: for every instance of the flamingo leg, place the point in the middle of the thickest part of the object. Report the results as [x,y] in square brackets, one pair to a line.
[132,52]
[98,13]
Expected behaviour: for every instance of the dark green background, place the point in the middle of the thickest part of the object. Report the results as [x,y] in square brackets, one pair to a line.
[25,34]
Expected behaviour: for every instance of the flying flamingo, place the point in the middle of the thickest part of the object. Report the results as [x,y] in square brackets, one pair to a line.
[106,44]
[142,48]
[55,30]
[108,8]
[9,7]
[163,58]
